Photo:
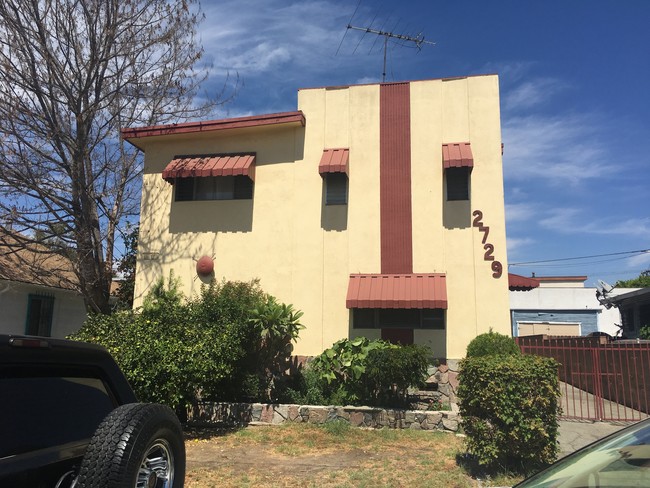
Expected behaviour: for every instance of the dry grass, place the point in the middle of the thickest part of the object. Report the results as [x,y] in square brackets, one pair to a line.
[334,455]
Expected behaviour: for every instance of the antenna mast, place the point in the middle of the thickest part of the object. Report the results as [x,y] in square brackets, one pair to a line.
[417,40]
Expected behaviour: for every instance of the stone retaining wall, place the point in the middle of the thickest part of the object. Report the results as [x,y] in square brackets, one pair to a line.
[213,413]
[440,393]
[441,386]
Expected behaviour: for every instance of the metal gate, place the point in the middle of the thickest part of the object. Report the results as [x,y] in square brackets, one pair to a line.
[599,379]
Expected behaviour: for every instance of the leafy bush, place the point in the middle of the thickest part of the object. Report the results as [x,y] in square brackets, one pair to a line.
[364,372]
[644,333]
[177,351]
[391,371]
[509,408]
[225,359]
[307,388]
[277,324]
[492,343]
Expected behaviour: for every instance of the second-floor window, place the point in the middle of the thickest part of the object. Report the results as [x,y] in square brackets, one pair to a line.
[457,183]
[336,188]
[213,188]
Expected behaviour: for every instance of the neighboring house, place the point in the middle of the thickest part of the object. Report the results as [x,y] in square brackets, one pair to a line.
[38,293]
[634,308]
[377,210]
[561,305]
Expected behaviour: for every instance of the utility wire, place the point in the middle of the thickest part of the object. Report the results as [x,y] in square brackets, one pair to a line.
[640,251]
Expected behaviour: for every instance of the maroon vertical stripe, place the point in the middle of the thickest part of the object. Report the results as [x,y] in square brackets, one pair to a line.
[395,178]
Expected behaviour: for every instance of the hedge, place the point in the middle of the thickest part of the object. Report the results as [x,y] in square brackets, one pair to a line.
[509,409]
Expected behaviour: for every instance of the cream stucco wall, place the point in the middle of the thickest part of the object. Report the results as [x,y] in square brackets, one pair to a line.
[304,251]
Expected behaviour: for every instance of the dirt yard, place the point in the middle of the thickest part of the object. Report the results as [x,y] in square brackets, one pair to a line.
[334,456]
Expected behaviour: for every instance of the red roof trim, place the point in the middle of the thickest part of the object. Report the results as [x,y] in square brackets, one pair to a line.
[550,279]
[214,165]
[457,155]
[521,283]
[334,161]
[397,291]
[296,117]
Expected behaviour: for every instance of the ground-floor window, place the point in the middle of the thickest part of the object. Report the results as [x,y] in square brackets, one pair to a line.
[40,309]
[396,318]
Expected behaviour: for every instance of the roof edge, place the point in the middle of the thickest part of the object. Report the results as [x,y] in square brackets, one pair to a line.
[449,78]
[295,117]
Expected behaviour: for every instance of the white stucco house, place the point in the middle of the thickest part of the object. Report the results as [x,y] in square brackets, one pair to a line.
[38,294]
[562,305]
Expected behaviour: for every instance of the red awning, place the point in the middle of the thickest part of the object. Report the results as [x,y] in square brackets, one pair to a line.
[521,283]
[457,155]
[334,161]
[397,291]
[214,165]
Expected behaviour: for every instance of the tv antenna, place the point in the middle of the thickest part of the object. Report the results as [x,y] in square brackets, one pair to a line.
[418,40]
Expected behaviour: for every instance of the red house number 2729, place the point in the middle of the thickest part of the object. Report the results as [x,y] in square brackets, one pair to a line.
[497,267]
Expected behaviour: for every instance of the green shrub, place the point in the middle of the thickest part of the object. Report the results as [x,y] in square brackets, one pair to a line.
[644,333]
[307,388]
[364,372]
[177,351]
[277,325]
[225,358]
[391,371]
[509,408]
[492,343]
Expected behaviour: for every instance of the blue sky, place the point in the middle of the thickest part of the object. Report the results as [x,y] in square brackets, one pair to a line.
[575,101]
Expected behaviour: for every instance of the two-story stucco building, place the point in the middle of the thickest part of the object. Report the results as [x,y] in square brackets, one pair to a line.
[377,210]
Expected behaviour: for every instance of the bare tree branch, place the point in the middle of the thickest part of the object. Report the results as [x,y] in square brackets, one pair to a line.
[73,73]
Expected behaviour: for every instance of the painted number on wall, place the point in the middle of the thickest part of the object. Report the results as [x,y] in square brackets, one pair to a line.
[497,267]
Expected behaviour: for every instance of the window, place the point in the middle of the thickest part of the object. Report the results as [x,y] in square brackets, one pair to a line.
[213,188]
[39,315]
[336,188]
[457,183]
[395,318]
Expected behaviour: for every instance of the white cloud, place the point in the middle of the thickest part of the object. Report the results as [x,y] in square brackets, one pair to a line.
[509,72]
[368,80]
[514,244]
[516,212]
[261,35]
[531,93]
[561,149]
[574,221]
[639,261]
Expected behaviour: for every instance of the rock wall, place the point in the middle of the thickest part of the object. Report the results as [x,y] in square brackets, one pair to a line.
[440,390]
[435,409]
[213,413]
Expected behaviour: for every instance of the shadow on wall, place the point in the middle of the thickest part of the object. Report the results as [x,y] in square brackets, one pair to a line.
[157,253]
[211,216]
[332,217]
[457,214]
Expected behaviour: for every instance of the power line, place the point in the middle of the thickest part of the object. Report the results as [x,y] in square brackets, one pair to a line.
[641,251]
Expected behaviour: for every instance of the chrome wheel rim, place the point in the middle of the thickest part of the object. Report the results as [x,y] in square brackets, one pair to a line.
[157,467]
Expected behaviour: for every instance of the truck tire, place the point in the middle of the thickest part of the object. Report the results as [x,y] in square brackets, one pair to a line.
[136,445]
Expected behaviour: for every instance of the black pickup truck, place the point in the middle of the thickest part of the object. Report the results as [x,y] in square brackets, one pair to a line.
[69,419]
